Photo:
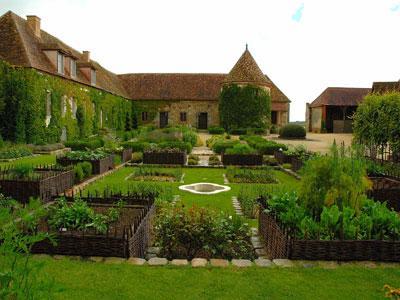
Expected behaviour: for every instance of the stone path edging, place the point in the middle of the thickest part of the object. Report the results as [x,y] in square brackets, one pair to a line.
[224,263]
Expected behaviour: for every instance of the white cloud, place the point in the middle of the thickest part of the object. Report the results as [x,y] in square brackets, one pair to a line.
[337,42]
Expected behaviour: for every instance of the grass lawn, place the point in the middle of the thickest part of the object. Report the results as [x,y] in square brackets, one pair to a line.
[221,201]
[87,280]
[32,160]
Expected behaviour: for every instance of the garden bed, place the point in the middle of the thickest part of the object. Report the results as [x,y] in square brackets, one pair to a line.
[127,237]
[165,158]
[44,183]
[282,158]
[279,244]
[99,166]
[144,173]
[242,159]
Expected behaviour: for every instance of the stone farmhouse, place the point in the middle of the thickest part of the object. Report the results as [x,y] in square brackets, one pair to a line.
[162,99]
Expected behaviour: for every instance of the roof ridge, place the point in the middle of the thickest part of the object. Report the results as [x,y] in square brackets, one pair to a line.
[173,73]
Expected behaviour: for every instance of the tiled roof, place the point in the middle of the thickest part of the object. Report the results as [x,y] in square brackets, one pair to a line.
[246,70]
[384,87]
[341,96]
[163,86]
[19,46]
[159,86]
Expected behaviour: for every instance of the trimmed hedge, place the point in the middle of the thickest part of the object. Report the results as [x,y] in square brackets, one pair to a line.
[292,131]
[216,130]
[221,146]
[136,146]
[91,144]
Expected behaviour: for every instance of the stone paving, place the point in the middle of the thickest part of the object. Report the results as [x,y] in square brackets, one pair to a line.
[224,263]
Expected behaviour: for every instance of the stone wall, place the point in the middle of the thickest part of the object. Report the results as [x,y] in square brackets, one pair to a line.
[316,119]
[192,108]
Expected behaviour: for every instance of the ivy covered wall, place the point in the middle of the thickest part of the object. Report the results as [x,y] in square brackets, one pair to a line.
[23,100]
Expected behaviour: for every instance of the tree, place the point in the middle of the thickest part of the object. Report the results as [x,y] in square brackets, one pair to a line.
[246,106]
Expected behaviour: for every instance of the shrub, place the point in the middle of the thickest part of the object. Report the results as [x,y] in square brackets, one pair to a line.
[22,171]
[48,147]
[213,139]
[244,175]
[156,174]
[137,157]
[255,131]
[117,160]
[193,160]
[199,232]
[79,174]
[214,160]
[183,146]
[80,145]
[287,166]
[136,146]
[244,106]
[263,146]
[292,131]
[248,198]
[86,168]
[240,149]
[270,161]
[1,142]
[189,136]
[221,145]
[216,130]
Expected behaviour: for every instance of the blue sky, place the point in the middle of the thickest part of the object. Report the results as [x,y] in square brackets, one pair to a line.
[303,45]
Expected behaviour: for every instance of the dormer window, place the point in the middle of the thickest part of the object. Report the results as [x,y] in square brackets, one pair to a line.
[73,68]
[60,63]
[93,77]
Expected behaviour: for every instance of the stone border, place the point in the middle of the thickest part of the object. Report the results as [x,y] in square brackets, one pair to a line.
[224,263]
[187,189]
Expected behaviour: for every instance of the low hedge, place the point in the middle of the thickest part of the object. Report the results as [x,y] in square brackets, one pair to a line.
[241,149]
[263,146]
[136,146]
[221,146]
[184,146]
[292,131]
[91,144]
[238,131]
[216,130]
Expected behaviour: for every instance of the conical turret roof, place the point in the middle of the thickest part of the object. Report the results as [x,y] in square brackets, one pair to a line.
[246,70]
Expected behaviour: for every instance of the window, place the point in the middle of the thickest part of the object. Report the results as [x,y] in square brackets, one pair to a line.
[274,117]
[73,107]
[183,116]
[93,77]
[144,116]
[48,109]
[73,67]
[63,106]
[60,63]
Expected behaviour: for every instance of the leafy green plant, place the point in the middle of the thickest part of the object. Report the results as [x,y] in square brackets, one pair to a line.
[79,216]
[193,160]
[86,155]
[214,160]
[287,166]
[14,151]
[156,174]
[22,171]
[137,157]
[194,232]
[20,276]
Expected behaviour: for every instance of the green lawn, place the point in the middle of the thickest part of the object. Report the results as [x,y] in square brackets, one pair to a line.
[87,280]
[32,160]
[221,201]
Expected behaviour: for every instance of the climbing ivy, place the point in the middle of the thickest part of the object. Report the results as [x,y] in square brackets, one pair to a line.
[245,106]
[23,94]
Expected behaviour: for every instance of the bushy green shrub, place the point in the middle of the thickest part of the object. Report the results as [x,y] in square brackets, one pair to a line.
[147,173]
[137,157]
[248,197]
[183,146]
[193,160]
[78,173]
[244,175]
[287,166]
[240,149]
[213,139]
[188,233]
[221,145]
[136,146]
[189,136]
[79,145]
[22,171]
[263,146]
[269,160]
[273,129]
[86,168]
[255,131]
[216,130]
[245,106]
[214,160]
[292,131]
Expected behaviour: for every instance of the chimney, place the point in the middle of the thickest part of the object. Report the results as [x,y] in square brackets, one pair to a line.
[34,24]
[86,56]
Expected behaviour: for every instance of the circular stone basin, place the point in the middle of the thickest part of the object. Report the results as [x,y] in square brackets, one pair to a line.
[204,188]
